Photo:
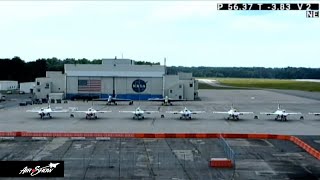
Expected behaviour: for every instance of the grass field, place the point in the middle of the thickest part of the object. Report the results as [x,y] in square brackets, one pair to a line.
[269,83]
[207,86]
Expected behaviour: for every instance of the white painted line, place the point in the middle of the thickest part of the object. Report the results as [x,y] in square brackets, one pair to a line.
[78,138]
[103,138]
[6,138]
[40,138]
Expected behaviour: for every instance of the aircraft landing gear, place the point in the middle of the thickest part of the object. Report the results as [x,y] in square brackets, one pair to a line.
[301,117]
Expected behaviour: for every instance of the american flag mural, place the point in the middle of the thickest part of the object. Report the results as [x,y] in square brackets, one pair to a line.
[89,85]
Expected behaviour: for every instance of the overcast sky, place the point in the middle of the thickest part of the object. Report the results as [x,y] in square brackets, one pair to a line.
[187,33]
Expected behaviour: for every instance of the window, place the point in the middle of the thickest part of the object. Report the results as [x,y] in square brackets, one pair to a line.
[38,83]
[38,90]
[180,86]
[170,90]
[180,97]
[191,85]
[47,86]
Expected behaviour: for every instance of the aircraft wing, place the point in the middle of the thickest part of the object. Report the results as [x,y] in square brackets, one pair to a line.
[175,100]
[100,99]
[245,113]
[316,114]
[103,111]
[33,110]
[268,113]
[215,112]
[197,112]
[173,112]
[80,111]
[127,111]
[156,99]
[120,99]
[151,112]
[293,113]
[59,111]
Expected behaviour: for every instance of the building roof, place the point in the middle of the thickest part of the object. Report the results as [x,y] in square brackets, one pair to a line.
[119,70]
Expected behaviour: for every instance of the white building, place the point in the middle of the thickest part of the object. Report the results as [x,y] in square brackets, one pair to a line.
[27,87]
[117,77]
[124,79]
[54,82]
[8,85]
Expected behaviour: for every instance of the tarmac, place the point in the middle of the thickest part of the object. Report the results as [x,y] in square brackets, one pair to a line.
[120,158]
[15,118]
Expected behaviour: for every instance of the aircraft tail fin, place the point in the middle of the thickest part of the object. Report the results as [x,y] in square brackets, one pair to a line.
[49,103]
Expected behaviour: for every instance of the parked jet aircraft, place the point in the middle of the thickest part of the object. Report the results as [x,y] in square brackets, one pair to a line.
[233,113]
[185,113]
[281,114]
[166,101]
[46,111]
[139,113]
[111,100]
[91,113]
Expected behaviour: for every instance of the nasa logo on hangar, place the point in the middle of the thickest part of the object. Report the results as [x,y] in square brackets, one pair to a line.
[139,85]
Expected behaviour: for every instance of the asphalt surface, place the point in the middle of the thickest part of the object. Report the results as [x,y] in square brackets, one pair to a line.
[171,158]
[15,118]
[166,158]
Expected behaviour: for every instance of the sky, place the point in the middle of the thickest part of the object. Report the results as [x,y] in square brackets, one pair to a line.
[186,33]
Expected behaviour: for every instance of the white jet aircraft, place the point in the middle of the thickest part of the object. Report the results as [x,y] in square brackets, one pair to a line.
[91,113]
[233,113]
[185,113]
[46,111]
[281,114]
[139,113]
[111,100]
[166,101]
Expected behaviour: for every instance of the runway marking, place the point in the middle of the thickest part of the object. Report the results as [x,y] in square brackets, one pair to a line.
[227,122]
[7,138]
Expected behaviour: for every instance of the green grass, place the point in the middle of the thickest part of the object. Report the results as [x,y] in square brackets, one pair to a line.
[207,86]
[269,83]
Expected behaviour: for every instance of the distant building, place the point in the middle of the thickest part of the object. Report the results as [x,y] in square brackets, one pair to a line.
[27,87]
[8,85]
[54,82]
[117,77]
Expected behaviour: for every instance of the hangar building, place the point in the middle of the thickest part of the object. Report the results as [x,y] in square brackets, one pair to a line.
[8,85]
[120,78]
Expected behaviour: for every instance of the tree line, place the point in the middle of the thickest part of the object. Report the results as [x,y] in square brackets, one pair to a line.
[249,72]
[19,70]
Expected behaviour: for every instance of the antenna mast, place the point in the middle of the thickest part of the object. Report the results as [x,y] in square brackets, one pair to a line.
[164,77]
